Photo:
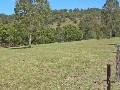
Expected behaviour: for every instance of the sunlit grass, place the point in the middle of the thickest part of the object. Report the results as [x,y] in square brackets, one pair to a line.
[58,66]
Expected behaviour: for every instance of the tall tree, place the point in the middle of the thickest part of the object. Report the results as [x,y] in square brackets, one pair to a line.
[110,14]
[31,14]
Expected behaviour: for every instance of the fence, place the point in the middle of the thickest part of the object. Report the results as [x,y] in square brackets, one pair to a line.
[118,64]
[117,69]
[108,77]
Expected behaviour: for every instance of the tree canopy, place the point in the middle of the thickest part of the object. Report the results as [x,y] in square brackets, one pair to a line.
[35,23]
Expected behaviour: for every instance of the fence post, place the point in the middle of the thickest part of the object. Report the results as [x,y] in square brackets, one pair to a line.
[108,77]
[118,64]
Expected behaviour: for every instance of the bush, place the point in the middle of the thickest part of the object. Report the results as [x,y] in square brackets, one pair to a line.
[71,33]
[43,36]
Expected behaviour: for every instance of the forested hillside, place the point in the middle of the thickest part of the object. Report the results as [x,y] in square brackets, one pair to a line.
[34,22]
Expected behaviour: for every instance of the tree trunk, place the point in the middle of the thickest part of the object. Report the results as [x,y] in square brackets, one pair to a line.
[118,64]
[30,39]
[110,35]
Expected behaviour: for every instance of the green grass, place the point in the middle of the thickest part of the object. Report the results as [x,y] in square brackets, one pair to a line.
[59,66]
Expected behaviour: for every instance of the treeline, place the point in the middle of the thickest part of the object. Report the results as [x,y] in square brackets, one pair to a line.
[36,24]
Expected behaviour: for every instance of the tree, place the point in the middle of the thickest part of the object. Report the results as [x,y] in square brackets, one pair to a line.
[1,27]
[31,14]
[7,35]
[90,28]
[109,15]
[71,33]
[59,36]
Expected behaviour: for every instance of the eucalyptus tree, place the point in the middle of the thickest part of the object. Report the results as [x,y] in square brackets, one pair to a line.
[31,14]
[110,16]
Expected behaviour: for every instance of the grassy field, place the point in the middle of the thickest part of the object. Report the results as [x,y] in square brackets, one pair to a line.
[59,66]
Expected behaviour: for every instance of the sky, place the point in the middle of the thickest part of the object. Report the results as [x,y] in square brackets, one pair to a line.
[7,6]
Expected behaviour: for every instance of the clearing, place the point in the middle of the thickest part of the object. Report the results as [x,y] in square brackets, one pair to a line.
[59,66]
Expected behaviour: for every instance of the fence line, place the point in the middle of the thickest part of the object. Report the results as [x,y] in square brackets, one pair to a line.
[108,77]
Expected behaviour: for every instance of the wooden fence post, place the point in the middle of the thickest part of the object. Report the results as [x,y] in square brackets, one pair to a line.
[108,77]
[118,64]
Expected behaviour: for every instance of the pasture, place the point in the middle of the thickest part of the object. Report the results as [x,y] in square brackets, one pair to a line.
[79,65]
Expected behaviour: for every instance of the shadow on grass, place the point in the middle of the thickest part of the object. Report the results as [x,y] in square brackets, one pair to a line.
[25,47]
[112,44]
[113,52]
[112,81]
